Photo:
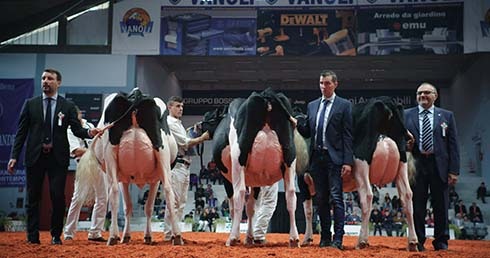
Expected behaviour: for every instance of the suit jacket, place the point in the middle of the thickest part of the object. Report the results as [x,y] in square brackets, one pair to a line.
[338,133]
[31,127]
[445,144]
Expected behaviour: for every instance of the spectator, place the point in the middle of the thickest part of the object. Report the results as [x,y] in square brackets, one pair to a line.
[200,202]
[225,208]
[388,222]
[349,203]
[474,209]
[193,181]
[203,174]
[459,222]
[481,192]
[212,216]
[468,231]
[387,202]
[208,192]
[377,220]
[460,208]
[203,220]
[453,196]
[429,219]
[212,201]
[395,203]
[352,219]
[398,222]
[477,218]
[199,192]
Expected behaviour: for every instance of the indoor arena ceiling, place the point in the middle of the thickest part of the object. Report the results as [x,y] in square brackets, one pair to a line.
[21,16]
[369,72]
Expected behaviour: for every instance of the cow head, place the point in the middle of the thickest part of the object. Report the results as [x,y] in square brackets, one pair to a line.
[211,120]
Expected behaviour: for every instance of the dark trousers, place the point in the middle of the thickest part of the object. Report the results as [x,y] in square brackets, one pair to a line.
[328,184]
[34,181]
[428,178]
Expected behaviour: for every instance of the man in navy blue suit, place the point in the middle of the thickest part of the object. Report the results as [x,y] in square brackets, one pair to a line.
[436,157]
[329,124]
[47,151]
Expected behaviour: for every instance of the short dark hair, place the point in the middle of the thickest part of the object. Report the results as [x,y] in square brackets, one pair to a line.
[51,70]
[173,99]
[326,73]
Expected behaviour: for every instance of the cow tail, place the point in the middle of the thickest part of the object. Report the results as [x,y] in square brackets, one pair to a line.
[411,168]
[86,174]
[302,157]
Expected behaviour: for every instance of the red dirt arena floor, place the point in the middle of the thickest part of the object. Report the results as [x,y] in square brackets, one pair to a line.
[203,245]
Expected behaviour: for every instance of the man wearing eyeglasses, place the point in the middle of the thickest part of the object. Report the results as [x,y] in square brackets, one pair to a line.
[436,154]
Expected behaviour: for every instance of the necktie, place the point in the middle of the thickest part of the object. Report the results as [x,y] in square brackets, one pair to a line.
[319,128]
[47,122]
[426,132]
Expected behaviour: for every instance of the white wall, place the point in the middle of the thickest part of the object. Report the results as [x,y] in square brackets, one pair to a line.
[471,101]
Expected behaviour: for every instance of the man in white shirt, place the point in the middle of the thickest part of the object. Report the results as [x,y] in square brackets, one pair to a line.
[264,209]
[180,172]
[78,147]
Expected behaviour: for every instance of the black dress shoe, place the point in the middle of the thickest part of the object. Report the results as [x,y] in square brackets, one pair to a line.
[420,247]
[338,245]
[97,239]
[33,241]
[325,243]
[440,246]
[56,241]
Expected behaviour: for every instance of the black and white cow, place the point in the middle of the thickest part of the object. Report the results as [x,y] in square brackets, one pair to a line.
[380,139]
[139,149]
[253,147]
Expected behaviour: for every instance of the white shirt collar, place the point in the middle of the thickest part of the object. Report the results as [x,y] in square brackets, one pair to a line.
[54,97]
[331,99]
[431,109]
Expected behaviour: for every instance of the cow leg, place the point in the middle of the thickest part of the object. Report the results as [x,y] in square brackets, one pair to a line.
[290,192]
[128,212]
[150,203]
[111,165]
[249,240]
[405,193]
[164,161]
[308,209]
[238,202]
[361,176]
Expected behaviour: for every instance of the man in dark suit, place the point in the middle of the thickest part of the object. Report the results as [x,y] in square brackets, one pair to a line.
[436,154]
[329,124]
[44,122]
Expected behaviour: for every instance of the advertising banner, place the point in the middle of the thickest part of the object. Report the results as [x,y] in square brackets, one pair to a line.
[198,102]
[13,93]
[194,32]
[477,26]
[410,30]
[310,32]
[136,27]
[258,3]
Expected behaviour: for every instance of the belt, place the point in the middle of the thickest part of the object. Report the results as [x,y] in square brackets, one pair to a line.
[427,155]
[183,161]
[47,147]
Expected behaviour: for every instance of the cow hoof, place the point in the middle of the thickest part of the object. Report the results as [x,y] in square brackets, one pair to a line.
[112,240]
[148,240]
[294,243]
[307,242]
[232,242]
[412,247]
[260,242]
[249,240]
[362,245]
[177,240]
[125,239]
